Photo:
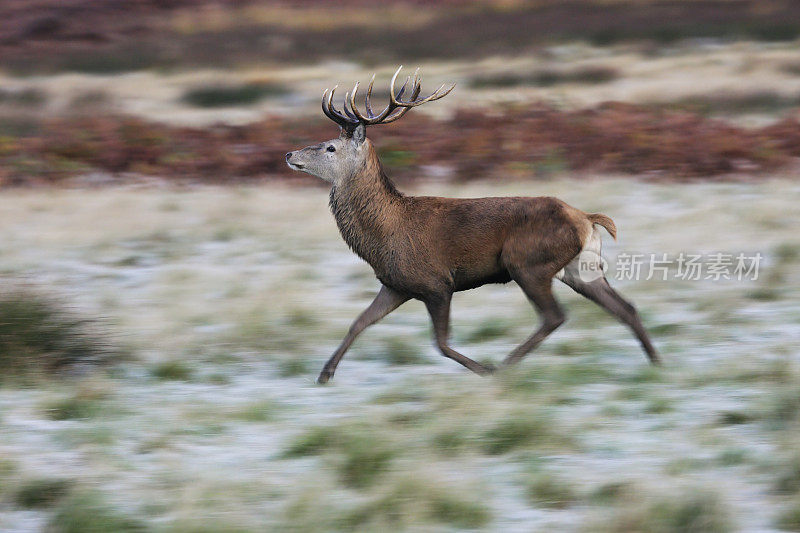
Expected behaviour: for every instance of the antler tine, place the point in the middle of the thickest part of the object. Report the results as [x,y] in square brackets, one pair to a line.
[351,98]
[392,97]
[350,114]
[347,112]
[369,94]
[329,102]
[435,95]
[324,109]
[403,88]
[327,97]
[403,110]
[370,118]
[413,102]
[417,88]
[379,118]
[331,112]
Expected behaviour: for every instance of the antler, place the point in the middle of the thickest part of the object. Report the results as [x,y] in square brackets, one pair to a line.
[352,117]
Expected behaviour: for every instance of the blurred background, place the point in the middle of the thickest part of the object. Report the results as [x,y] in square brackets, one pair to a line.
[170,289]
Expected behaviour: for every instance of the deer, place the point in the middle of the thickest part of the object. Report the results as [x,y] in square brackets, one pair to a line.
[428,248]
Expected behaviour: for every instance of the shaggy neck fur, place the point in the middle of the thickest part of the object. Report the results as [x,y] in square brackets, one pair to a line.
[366,206]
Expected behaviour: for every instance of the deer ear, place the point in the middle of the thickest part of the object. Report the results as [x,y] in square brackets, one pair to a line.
[359,134]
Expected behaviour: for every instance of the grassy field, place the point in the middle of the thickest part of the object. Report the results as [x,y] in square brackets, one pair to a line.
[170,290]
[218,306]
[749,81]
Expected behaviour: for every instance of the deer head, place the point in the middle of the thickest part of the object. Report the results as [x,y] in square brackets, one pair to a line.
[335,160]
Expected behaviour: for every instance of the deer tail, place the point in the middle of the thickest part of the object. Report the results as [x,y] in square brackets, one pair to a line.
[605,221]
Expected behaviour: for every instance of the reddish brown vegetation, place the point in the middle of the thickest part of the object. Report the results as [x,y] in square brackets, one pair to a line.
[616,138]
[533,141]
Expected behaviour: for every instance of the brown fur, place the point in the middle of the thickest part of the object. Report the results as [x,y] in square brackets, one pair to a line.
[605,221]
[423,245]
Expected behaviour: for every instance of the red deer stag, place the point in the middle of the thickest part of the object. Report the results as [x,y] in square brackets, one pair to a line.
[429,247]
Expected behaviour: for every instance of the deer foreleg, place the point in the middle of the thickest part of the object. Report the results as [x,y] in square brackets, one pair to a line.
[384,303]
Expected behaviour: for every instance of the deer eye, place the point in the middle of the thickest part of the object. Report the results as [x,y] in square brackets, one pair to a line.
[331,148]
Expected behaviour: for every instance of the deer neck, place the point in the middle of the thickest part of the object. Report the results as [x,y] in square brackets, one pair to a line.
[367,210]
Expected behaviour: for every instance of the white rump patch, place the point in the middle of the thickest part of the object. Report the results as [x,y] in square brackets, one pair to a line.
[588,265]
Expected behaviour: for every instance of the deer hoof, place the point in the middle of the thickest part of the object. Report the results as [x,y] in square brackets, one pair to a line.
[324,377]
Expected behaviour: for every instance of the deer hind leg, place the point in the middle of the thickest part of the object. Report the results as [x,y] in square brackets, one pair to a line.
[439,310]
[539,292]
[384,303]
[596,288]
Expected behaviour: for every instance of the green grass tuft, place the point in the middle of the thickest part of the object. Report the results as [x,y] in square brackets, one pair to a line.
[365,458]
[658,406]
[458,510]
[263,411]
[547,490]
[492,328]
[362,455]
[39,337]
[450,440]
[232,95]
[788,481]
[787,253]
[611,492]
[401,351]
[74,408]
[789,519]
[313,442]
[172,370]
[591,75]
[7,469]
[783,408]
[35,493]
[663,330]
[417,501]
[301,318]
[519,430]
[732,457]
[86,512]
[695,511]
[292,366]
[731,418]
[761,101]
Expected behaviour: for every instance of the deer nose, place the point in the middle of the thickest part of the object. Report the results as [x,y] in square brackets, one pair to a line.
[289,155]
